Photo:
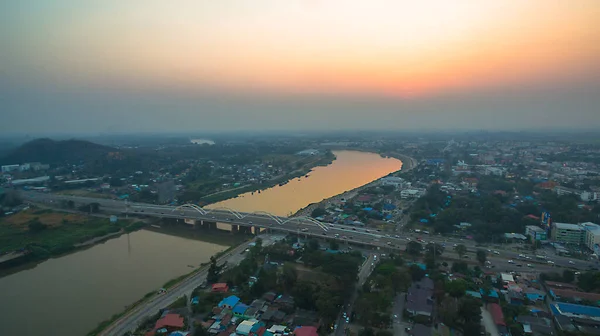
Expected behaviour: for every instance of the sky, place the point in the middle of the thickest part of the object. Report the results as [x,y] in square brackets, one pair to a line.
[188,65]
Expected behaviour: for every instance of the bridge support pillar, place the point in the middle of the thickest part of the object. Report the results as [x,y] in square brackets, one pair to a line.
[235,228]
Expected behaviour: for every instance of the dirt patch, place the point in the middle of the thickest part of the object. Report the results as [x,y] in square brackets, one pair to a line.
[52,219]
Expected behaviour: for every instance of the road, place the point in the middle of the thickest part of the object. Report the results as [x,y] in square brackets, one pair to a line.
[398,310]
[365,270]
[303,225]
[130,321]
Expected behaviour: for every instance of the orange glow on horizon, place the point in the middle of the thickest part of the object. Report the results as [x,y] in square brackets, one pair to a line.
[404,48]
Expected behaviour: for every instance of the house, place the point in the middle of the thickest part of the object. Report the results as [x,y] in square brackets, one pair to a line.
[169,323]
[534,325]
[245,327]
[220,287]
[269,296]
[420,330]
[305,331]
[229,302]
[533,294]
[419,300]
[569,295]
[498,317]
[240,311]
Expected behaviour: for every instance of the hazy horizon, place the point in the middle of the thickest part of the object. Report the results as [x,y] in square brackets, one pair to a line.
[144,66]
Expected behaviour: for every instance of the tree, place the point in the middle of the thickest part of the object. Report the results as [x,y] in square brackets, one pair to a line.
[568,276]
[460,267]
[200,331]
[288,276]
[414,248]
[313,244]
[213,271]
[456,288]
[318,212]
[481,256]
[366,332]
[417,273]
[36,226]
[461,250]
[334,245]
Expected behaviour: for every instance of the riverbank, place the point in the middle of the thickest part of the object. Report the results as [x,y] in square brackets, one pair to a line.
[326,160]
[408,163]
[39,234]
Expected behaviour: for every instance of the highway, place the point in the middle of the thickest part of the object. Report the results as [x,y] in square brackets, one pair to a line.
[308,227]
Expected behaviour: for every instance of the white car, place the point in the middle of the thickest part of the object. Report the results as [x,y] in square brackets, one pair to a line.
[550,262]
[496,252]
[571,262]
[511,261]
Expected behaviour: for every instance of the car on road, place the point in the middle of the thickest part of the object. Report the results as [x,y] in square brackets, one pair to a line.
[511,261]
[550,262]
[530,265]
[496,252]
[519,265]
[304,229]
[213,217]
[250,222]
[571,262]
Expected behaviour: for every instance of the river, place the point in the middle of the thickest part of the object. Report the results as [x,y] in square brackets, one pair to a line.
[351,169]
[71,294]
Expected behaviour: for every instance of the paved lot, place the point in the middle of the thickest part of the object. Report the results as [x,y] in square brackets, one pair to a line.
[488,322]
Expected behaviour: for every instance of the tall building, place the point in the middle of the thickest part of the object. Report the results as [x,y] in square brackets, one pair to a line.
[592,236]
[568,233]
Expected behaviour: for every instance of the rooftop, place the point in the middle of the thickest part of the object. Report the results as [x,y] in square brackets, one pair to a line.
[570,309]
[169,320]
[567,226]
[497,315]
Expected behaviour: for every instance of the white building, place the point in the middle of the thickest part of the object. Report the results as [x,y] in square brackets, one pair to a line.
[584,195]
[397,182]
[411,193]
[592,235]
[497,171]
[308,152]
[9,168]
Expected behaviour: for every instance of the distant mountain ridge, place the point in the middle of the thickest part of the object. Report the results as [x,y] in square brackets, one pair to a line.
[52,151]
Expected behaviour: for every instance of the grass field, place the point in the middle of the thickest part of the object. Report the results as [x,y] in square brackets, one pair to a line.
[59,233]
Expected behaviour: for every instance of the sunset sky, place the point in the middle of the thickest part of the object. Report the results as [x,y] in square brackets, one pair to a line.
[150,65]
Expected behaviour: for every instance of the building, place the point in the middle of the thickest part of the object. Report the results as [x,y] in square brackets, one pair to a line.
[308,152]
[396,182]
[9,168]
[220,287]
[588,196]
[419,299]
[245,327]
[498,317]
[584,195]
[306,331]
[568,233]
[169,323]
[536,233]
[229,302]
[35,180]
[411,193]
[496,171]
[592,236]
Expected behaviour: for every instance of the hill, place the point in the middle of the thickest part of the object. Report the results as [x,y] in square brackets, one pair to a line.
[51,151]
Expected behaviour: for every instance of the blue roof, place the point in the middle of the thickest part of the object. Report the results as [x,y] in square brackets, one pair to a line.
[257,326]
[423,220]
[570,308]
[473,294]
[389,206]
[367,209]
[534,296]
[240,309]
[195,300]
[229,301]
[492,293]
[421,266]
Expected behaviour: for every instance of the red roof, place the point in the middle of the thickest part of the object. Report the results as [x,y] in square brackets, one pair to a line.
[497,314]
[533,217]
[220,287]
[306,331]
[169,320]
